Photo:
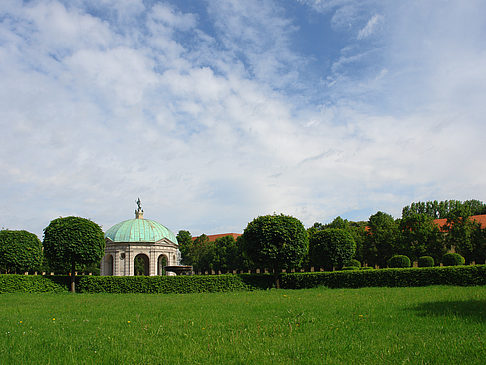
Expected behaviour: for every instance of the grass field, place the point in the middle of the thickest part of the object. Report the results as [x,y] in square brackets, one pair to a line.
[431,325]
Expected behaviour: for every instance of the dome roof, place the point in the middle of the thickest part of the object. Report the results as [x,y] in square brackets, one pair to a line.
[139,230]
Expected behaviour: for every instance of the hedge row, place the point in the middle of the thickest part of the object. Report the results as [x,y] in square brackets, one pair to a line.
[172,284]
[13,283]
[453,275]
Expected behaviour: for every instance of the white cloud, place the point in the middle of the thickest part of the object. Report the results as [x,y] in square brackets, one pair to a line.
[205,126]
[370,27]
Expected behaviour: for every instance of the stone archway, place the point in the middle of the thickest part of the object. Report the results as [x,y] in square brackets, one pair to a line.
[108,265]
[141,265]
[161,262]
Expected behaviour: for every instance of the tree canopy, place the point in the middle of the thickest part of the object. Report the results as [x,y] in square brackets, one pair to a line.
[276,242]
[443,209]
[71,242]
[381,239]
[331,247]
[20,251]
[421,236]
[184,239]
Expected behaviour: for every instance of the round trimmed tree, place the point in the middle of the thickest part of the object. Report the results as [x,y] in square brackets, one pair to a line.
[426,261]
[275,242]
[452,259]
[332,247]
[20,251]
[73,241]
[399,261]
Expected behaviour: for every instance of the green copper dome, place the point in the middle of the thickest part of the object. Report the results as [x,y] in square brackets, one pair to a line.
[139,230]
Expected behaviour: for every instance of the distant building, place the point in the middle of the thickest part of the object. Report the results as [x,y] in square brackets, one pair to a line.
[214,237]
[481,219]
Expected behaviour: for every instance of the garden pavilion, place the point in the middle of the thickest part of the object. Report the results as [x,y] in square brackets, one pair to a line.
[139,247]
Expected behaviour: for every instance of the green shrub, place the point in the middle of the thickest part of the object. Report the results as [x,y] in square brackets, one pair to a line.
[452,259]
[426,261]
[20,251]
[173,284]
[398,261]
[353,263]
[347,268]
[458,275]
[12,283]
[367,268]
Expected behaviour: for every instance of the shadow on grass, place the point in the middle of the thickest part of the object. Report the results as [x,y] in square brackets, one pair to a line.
[474,309]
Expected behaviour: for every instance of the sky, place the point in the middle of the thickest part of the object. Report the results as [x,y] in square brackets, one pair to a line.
[215,112]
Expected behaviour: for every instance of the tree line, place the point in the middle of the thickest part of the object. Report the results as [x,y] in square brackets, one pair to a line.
[272,242]
[335,244]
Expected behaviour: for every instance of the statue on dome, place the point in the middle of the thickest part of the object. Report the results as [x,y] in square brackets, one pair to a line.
[139,204]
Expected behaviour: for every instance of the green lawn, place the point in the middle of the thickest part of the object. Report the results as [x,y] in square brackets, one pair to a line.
[431,325]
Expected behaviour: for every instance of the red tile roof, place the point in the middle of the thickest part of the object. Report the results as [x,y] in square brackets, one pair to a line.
[481,219]
[214,237]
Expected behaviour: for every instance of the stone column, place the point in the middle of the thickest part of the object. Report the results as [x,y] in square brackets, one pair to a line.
[152,262]
[130,265]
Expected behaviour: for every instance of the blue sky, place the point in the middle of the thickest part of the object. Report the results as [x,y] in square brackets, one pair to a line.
[215,112]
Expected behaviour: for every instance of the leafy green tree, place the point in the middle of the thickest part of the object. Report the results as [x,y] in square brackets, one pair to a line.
[463,233]
[276,242]
[225,252]
[242,261]
[356,229]
[443,209]
[421,236]
[71,242]
[20,251]
[382,239]
[184,239]
[479,239]
[200,253]
[332,247]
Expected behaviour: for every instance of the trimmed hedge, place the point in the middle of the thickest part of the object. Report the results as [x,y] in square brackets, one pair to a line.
[458,275]
[398,261]
[13,283]
[173,284]
[452,259]
[450,275]
[353,263]
[426,261]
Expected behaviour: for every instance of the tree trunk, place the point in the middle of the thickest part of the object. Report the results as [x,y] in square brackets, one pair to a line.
[276,277]
[73,278]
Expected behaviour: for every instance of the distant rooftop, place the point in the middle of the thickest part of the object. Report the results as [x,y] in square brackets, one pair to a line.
[214,237]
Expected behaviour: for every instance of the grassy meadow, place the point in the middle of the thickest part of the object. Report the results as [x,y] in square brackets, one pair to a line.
[426,325]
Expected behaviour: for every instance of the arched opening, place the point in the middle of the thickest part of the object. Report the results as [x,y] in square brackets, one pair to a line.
[108,265]
[141,265]
[161,262]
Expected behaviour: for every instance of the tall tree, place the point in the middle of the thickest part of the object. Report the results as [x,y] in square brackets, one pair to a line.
[421,236]
[356,229]
[73,241]
[276,242]
[444,208]
[184,239]
[382,239]
[20,251]
[225,252]
[330,248]
[200,253]
[463,233]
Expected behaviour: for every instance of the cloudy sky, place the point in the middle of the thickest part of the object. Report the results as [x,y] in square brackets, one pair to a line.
[216,111]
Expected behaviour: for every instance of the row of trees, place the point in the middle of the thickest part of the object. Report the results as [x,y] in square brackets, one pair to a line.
[332,245]
[274,242]
[443,209]
[70,244]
